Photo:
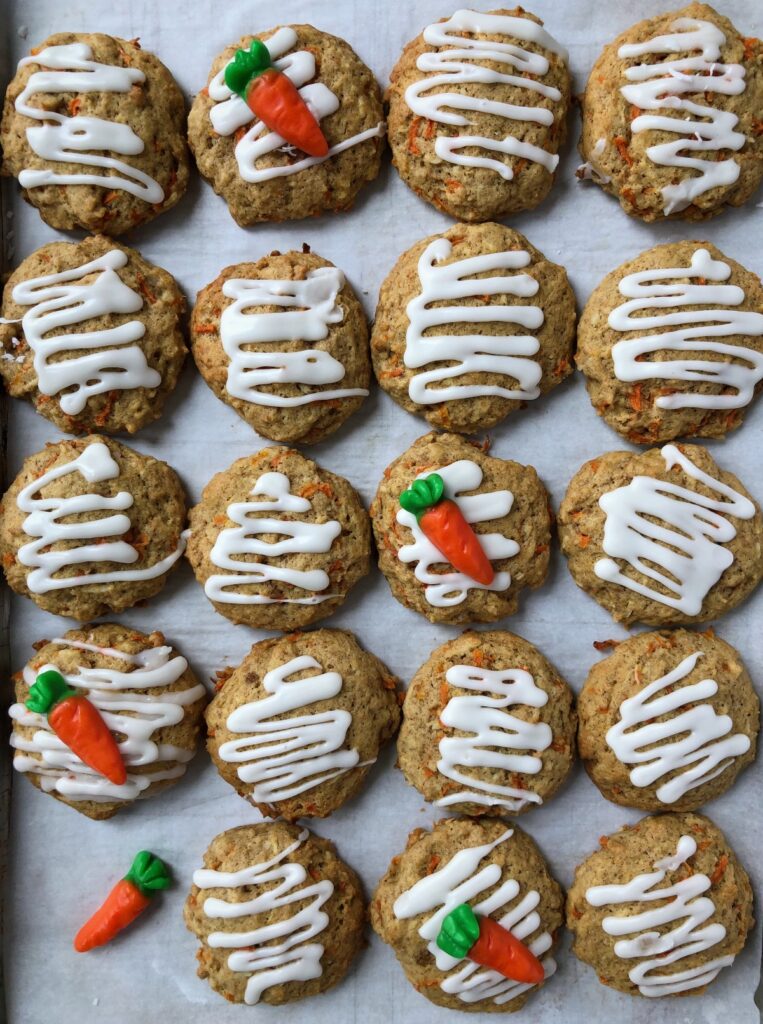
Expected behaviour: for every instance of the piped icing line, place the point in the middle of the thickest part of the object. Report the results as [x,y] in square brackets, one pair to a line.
[682,902]
[306,309]
[459,61]
[445,589]
[106,359]
[82,140]
[686,541]
[491,730]
[462,880]
[48,521]
[230,113]
[507,354]
[292,959]
[301,537]
[286,757]
[695,741]
[111,691]
[697,329]
[701,128]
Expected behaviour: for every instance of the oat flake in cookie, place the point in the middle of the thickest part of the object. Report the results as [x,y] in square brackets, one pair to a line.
[502,507]
[671,116]
[93,130]
[498,871]
[477,110]
[148,697]
[471,325]
[297,725]
[671,343]
[488,726]
[284,341]
[277,542]
[92,335]
[90,526]
[258,174]
[668,720]
[662,908]
[269,882]
[661,537]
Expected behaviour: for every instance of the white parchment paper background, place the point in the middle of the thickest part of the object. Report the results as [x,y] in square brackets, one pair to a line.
[62,864]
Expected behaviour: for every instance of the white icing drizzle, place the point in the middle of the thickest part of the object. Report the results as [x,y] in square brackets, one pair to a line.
[464,62]
[688,330]
[64,299]
[506,353]
[444,589]
[696,739]
[490,728]
[243,539]
[687,542]
[278,953]
[112,691]
[305,310]
[82,140]
[231,113]
[49,521]
[287,757]
[462,880]
[684,903]
[700,128]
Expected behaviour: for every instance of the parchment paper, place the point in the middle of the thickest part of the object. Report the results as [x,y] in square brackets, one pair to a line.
[62,864]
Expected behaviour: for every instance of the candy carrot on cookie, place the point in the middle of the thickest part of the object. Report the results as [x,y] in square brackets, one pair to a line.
[443,523]
[489,944]
[274,99]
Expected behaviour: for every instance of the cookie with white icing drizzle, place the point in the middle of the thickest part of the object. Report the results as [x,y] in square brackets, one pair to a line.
[477,110]
[498,870]
[261,177]
[488,726]
[284,342]
[94,129]
[662,908]
[277,542]
[145,692]
[506,506]
[668,720]
[671,116]
[296,727]
[91,334]
[471,325]
[664,537]
[90,526]
[671,343]
[278,915]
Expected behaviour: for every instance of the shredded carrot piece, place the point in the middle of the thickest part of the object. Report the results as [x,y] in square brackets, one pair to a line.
[310,489]
[605,645]
[145,291]
[720,869]
[635,111]
[412,133]
[110,197]
[635,399]
[451,183]
[434,860]
[429,130]
[74,104]
[750,46]
[622,148]
[443,694]
[583,540]
[205,329]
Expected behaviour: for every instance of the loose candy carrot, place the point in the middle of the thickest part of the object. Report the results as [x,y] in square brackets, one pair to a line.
[489,944]
[442,522]
[274,99]
[129,898]
[77,723]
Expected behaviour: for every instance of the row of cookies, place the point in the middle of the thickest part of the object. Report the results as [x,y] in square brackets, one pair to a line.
[663,537]
[93,126]
[667,721]
[470,325]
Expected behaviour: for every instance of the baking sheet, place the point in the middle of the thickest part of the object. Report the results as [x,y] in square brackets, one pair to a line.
[61,863]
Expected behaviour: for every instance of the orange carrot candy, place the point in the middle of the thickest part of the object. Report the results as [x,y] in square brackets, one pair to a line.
[489,944]
[77,722]
[129,898]
[443,523]
[274,99]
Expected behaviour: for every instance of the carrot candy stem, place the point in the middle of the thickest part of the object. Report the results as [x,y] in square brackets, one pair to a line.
[274,99]
[78,723]
[129,898]
[489,944]
[443,523]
